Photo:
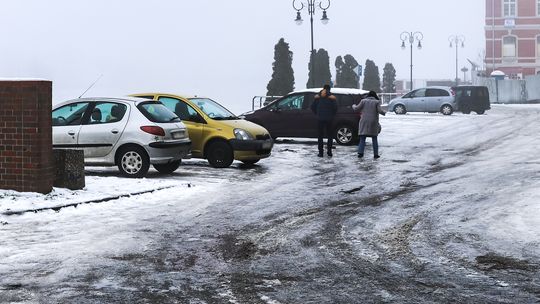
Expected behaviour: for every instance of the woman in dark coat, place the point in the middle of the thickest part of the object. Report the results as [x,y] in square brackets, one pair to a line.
[369,126]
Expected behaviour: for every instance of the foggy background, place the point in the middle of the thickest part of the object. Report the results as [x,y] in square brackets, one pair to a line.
[221,49]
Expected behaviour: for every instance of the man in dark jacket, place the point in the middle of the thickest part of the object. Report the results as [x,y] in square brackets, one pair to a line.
[325,107]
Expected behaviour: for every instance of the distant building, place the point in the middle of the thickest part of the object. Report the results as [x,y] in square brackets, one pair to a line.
[513,37]
[443,82]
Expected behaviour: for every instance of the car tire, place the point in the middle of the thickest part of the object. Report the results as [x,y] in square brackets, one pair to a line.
[219,154]
[168,168]
[465,109]
[133,162]
[400,109]
[480,112]
[344,134]
[250,161]
[447,109]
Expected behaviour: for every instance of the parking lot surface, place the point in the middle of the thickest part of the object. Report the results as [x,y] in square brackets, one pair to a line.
[448,214]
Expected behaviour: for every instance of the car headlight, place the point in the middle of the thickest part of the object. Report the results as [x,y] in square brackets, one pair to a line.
[242,134]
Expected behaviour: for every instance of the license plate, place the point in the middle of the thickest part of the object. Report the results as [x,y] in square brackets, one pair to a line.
[177,135]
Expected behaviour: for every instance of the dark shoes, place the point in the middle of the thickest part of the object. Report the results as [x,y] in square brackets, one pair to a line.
[321,154]
[360,155]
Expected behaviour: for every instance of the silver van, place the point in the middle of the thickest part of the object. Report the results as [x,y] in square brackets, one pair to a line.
[429,99]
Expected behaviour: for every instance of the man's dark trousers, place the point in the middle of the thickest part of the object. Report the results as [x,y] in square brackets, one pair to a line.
[322,126]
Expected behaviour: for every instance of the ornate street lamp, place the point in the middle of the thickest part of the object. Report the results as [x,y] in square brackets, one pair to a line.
[311,6]
[411,37]
[456,40]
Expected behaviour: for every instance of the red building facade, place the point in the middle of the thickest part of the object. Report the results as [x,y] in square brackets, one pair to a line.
[513,37]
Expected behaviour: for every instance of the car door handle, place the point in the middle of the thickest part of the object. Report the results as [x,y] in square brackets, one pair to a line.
[71,132]
[114,131]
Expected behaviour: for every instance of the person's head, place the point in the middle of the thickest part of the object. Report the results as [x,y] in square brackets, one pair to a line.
[373,94]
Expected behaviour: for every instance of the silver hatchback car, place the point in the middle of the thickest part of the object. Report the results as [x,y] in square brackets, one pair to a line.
[131,133]
[429,99]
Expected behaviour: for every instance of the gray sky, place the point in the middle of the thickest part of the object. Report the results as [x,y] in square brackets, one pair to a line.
[220,49]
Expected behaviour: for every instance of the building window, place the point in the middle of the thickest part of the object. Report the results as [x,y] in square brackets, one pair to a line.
[509,46]
[537,46]
[509,8]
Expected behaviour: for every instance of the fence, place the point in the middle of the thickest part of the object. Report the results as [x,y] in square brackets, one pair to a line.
[386,97]
[512,91]
[260,101]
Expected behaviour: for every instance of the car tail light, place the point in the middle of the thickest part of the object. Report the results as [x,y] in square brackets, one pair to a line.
[452,92]
[153,130]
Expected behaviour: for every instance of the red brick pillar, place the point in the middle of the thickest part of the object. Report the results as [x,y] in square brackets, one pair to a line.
[26,162]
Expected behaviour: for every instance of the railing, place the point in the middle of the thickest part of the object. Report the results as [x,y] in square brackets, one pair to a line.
[386,97]
[262,101]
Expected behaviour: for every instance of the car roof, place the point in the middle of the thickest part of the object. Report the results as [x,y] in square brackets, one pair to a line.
[130,99]
[185,96]
[435,87]
[334,90]
[468,86]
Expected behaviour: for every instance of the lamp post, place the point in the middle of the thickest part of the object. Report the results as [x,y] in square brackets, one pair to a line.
[464,70]
[411,37]
[456,40]
[311,6]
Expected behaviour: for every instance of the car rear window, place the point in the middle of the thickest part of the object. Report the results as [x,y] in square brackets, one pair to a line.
[157,112]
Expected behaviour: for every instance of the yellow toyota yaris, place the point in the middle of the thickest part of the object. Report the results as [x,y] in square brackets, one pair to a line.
[217,134]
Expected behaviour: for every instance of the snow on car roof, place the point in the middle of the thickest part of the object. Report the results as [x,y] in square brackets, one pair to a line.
[335,90]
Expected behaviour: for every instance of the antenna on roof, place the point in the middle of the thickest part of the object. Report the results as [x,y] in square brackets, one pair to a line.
[91,85]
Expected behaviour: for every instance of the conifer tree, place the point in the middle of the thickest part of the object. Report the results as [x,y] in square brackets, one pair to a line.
[348,78]
[339,71]
[319,69]
[389,78]
[372,80]
[282,81]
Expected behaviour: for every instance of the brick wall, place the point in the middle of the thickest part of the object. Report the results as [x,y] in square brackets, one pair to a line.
[26,162]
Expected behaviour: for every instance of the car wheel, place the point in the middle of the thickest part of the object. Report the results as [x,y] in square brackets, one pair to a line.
[133,161]
[400,109]
[168,168]
[220,154]
[480,112]
[465,109]
[447,110]
[250,161]
[344,135]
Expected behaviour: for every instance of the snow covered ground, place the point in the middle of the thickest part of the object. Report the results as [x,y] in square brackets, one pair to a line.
[447,190]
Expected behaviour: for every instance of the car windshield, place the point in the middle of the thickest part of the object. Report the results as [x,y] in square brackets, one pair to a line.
[213,109]
[157,112]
